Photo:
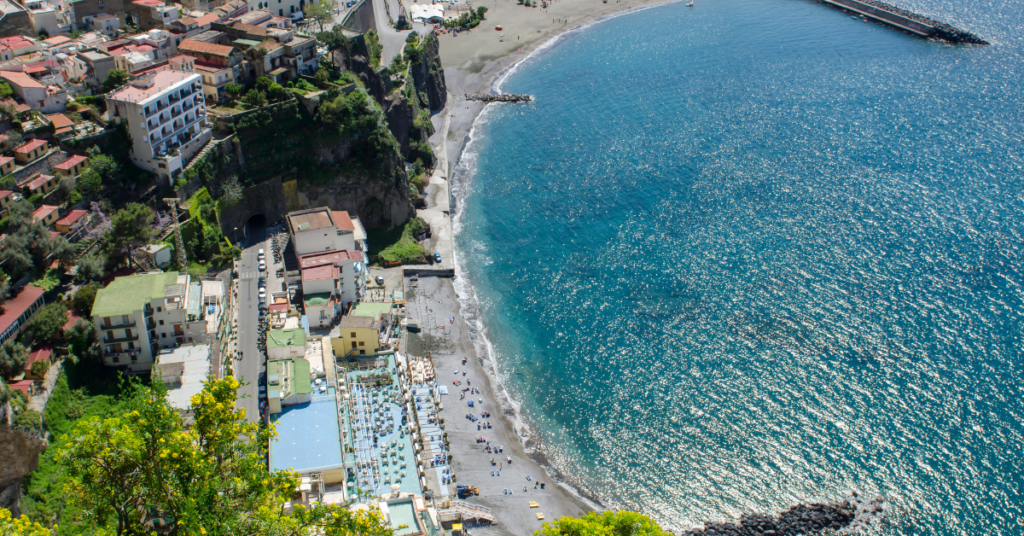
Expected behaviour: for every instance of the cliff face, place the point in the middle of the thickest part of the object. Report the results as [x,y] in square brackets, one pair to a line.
[21,457]
[428,75]
[284,152]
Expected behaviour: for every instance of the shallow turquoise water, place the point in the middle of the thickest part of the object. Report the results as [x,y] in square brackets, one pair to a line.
[756,251]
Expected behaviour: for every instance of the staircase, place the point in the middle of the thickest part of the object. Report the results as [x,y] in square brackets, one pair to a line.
[468,511]
[202,153]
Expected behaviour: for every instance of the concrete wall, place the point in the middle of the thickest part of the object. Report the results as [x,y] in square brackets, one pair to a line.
[884,16]
[360,18]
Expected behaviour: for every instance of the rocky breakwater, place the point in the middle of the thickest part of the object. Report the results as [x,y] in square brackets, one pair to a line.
[846,517]
[908,21]
[501,97]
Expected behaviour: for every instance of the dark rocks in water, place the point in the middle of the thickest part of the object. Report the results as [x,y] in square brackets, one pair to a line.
[802,519]
[502,97]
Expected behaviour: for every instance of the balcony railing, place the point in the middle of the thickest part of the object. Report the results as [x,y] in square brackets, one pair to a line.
[125,338]
[118,326]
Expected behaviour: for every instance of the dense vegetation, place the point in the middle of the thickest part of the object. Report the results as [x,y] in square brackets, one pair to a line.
[126,463]
[398,245]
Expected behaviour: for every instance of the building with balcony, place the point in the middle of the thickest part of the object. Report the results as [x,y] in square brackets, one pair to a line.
[149,14]
[87,10]
[166,117]
[135,316]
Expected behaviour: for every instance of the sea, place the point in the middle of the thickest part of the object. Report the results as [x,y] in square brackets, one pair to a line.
[750,253]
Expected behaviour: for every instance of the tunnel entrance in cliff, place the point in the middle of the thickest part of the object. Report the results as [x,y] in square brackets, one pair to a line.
[255,229]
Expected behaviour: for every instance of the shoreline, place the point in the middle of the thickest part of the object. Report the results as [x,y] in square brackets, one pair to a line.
[564,495]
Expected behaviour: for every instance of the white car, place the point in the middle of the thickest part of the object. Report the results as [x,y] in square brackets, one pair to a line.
[263,266]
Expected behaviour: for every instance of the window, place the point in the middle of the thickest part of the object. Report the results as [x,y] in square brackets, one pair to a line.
[161,322]
[124,319]
[163,335]
[158,309]
[353,344]
[353,334]
[362,352]
[361,343]
[113,359]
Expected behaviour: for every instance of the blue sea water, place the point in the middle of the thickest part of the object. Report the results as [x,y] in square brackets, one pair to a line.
[756,251]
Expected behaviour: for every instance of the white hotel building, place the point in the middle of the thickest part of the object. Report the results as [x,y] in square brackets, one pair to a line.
[166,117]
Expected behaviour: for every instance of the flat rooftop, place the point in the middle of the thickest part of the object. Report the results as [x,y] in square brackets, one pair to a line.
[308,438]
[188,366]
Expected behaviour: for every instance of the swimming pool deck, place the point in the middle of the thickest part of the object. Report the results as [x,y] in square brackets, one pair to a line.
[308,438]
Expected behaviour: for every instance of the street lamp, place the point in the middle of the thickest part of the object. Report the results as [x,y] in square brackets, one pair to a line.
[236,235]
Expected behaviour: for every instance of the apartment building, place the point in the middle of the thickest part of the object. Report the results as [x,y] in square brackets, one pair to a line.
[149,14]
[166,117]
[87,10]
[137,315]
[18,309]
[218,65]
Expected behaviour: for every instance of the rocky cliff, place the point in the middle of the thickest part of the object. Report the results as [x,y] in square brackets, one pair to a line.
[20,457]
[428,75]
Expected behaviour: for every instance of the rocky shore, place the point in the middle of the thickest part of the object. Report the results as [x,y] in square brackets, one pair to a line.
[941,30]
[848,516]
[500,97]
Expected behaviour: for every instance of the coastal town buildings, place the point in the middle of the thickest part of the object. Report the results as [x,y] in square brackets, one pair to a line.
[166,117]
[45,98]
[135,316]
[18,309]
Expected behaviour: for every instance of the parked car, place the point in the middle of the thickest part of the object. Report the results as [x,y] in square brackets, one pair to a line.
[379,279]
[437,258]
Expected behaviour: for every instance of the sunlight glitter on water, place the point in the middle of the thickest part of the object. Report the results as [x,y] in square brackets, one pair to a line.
[739,256]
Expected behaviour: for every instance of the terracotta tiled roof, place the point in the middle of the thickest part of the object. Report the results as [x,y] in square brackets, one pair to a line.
[38,182]
[17,304]
[72,217]
[60,121]
[199,47]
[30,146]
[42,212]
[70,162]
[21,79]
[343,221]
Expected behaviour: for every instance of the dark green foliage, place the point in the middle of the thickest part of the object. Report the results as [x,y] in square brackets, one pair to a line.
[90,269]
[48,323]
[129,229]
[85,389]
[255,99]
[375,48]
[5,90]
[233,90]
[115,79]
[334,39]
[467,20]
[13,356]
[82,302]
[27,242]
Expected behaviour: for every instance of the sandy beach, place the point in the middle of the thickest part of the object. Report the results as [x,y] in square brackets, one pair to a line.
[444,335]
[472,61]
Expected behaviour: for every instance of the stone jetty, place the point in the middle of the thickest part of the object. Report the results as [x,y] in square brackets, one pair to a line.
[501,97]
[844,517]
[908,21]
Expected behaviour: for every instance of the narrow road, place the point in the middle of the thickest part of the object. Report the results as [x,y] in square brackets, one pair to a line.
[247,369]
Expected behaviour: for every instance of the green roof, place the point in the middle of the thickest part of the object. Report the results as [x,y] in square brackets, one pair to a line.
[320,298]
[279,338]
[300,376]
[128,294]
[371,309]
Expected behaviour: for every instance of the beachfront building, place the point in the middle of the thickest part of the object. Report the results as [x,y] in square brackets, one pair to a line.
[317,230]
[18,309]
[289,382]
[286,343]
[357,337]
[135,316]
[166,117]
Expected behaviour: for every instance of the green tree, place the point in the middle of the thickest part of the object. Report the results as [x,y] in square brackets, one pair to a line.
[263,83]
[90,269]
[90,182]
[130,228]
[21,526]
[334,39]
[48,324]
[209,478]
[62,251]
[231,191]
[83,299]
[81,337]
[255,98]
[13,356]
[319,13]
[27,242]
[604,524]
[39,368]
[233,90]
[5,90]
[275,92]
[108,168]
[115,79]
